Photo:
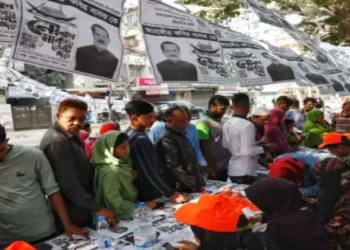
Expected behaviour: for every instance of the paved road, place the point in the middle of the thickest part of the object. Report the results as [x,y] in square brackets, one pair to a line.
[33,137]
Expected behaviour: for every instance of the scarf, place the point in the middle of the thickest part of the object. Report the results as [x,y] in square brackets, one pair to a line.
[313,129]
[288,222]
[103,152]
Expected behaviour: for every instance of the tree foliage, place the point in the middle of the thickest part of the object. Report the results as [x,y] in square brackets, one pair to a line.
[48,77]
[328,20]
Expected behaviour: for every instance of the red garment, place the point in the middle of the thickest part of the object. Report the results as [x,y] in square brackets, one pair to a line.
[274,132]
[88,143]
[288,168]
[20,245]
[108,126]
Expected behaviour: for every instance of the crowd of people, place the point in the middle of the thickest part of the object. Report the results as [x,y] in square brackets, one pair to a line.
[165,155]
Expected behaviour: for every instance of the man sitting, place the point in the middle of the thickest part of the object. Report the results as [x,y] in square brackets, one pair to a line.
[177,155]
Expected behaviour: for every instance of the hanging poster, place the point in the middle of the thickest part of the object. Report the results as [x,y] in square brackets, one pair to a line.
[58,96]
[311,72]
[73,36]
[182,48]
[275,18]
[339,81]
[8,21]
[294,61]
[254,64]
[269,16]
[326,89]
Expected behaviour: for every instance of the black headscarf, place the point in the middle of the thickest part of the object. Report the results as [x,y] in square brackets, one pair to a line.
[227,241]
[293,227]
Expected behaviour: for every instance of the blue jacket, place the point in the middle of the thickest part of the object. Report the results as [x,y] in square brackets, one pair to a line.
[191,133]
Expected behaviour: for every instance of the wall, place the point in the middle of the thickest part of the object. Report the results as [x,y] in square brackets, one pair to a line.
[6,116]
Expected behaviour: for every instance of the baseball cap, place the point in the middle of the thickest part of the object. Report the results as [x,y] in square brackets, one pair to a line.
[330,139]
[218,213]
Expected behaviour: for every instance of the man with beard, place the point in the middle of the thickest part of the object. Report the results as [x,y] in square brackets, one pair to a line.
[209,130]
[73,171]
[278,71]
[96,59]
[175,69]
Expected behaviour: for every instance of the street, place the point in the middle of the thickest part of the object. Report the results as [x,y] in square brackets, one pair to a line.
[33,137]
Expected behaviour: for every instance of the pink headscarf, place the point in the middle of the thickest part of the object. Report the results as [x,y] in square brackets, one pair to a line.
[276,116]
[88,143]
[274,131]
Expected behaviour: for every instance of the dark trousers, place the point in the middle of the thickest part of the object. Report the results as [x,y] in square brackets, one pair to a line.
[222,175]
[246,179]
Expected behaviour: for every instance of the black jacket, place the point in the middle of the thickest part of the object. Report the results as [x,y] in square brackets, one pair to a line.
[150,182]
[73,172]
[179,161]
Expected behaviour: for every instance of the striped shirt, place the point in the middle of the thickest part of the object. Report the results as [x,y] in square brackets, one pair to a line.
[341,124]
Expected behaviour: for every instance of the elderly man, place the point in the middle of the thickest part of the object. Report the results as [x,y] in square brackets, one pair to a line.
[173,68]
[177,155]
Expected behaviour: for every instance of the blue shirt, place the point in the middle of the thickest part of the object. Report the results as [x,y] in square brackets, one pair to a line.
[298,116]
[191,133]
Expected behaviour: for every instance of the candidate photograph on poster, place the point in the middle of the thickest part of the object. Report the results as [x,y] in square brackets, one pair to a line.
[105,63]
[308,74]
[278,71]
[63,36]
[173,68]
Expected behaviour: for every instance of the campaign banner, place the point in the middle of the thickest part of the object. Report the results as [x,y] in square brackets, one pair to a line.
[275,18]
[8,21]
[326,90]
[182,48]
[339,81]
[253,63]
[81,37]
[312,72]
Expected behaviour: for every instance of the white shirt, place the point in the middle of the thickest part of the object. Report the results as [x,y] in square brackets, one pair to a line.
[239,139]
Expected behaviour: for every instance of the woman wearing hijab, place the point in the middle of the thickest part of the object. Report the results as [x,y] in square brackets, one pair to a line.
[274,132]
[289,222]
[114,175]
[315,126]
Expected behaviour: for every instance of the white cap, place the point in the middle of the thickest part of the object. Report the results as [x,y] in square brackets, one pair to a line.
[260,111]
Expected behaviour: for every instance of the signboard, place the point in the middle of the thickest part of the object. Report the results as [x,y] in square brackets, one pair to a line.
[80,37]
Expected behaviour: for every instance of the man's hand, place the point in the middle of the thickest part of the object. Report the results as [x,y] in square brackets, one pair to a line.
[109,216]
[151,204]
[187,245]
[71,230]
[179,198]
[271,147]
